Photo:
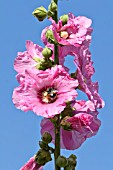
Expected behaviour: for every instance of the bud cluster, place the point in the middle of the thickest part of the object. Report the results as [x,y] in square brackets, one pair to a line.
[69,163]
[41,13]
[44,154]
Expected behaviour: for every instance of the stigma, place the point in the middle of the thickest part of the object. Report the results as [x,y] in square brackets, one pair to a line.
[64,34]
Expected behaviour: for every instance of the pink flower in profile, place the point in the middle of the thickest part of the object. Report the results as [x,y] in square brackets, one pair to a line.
[31,165]
[84,73]
[83,126]
[45,92]
[76,32]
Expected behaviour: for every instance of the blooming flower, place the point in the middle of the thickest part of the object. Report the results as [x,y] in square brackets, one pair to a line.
[75,32]
[45,92]
[31,165]
[85,124]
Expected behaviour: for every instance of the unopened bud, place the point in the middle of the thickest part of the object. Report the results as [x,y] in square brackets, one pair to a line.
[43,145]
[61,161]
[47,138]
[42,157]
[64,19]
[49,34]
[47,52]
[53,6]
[72,160]
[40,13]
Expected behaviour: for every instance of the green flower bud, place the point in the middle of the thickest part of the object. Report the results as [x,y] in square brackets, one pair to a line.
[47,138]
[43,157]
[49,34]
[61,161]
[72,160]
[50,37]
[43,145]
[47,52]
[40,13]
[53,6]
[64,19]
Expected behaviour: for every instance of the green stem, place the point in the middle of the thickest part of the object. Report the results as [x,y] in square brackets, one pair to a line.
[57,141]
[56,12]
[56,58]
[57,125]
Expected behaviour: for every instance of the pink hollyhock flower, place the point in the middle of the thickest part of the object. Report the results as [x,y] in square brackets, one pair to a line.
[29,58]
[31,165]
[45,92]
[76,32]
[83,126]
[84,72]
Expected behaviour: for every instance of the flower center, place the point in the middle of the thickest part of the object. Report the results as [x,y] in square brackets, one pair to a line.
[49,95]
[64,34]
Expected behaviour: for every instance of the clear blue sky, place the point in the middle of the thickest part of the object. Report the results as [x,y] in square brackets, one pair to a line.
[19,131]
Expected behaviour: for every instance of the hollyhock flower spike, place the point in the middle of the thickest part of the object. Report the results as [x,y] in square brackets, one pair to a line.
[31,165]
[75,32]
[49,89]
